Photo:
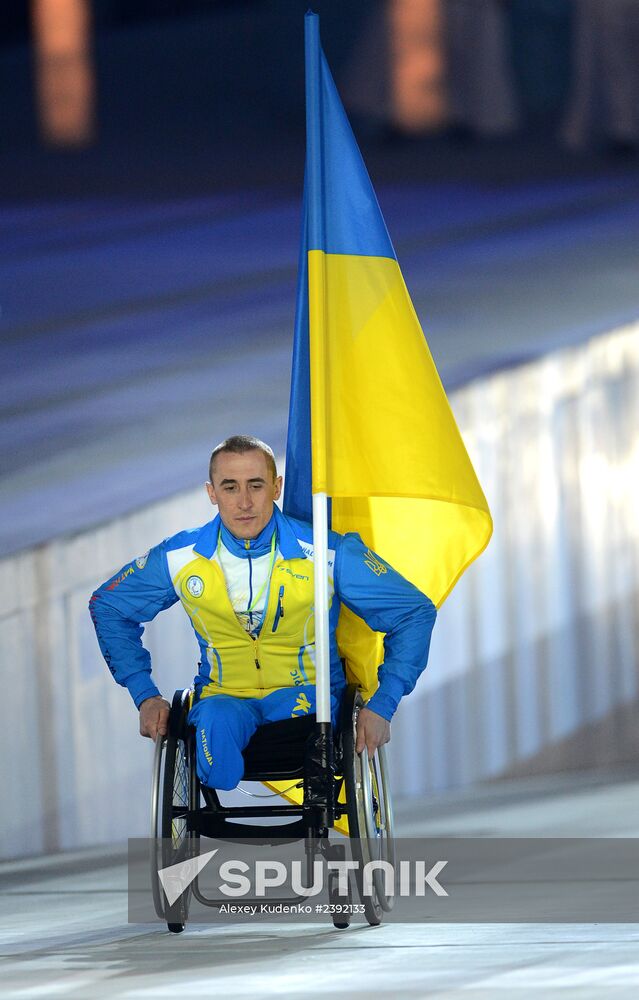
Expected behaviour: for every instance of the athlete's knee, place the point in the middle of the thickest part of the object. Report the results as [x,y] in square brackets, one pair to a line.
[228,777]
[219,755]
[224,773]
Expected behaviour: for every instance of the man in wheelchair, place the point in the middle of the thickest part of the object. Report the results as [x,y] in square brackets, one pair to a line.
[246,582]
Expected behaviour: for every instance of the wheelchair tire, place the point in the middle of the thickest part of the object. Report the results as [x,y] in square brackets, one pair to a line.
[172,841]
[369,809]
[157,784]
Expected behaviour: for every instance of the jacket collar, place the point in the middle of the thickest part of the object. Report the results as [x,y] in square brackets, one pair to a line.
[287,543]
[245,547]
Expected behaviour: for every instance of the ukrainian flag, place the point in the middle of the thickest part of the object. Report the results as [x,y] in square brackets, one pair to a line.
[369,421]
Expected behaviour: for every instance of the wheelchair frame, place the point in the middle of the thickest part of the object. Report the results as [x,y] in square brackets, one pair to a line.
[277,751]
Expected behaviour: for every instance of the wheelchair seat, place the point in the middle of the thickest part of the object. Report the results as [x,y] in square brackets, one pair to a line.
[276,750]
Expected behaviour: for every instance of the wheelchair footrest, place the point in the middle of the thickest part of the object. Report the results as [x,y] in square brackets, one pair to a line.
[218,828]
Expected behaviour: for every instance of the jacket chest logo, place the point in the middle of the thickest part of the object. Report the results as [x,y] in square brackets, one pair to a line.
[194,586]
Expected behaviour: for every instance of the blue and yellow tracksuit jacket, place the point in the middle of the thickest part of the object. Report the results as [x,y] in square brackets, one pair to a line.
[184,568]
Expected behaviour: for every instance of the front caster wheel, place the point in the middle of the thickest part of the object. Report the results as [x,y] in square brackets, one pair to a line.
[340,920]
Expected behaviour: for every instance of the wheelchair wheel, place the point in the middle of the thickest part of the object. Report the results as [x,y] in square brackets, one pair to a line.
[174,785]
[370,812]
[157,782]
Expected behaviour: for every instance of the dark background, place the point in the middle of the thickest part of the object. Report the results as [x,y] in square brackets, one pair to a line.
[204,95]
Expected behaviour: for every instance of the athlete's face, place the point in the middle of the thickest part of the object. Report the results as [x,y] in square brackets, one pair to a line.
[244,491]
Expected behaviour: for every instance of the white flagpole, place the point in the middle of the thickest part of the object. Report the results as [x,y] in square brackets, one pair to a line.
[322,641]
[320,505]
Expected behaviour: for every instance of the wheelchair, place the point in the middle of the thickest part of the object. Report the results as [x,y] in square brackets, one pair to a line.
[182,809]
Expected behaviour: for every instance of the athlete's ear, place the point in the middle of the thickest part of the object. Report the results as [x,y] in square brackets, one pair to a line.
[211,492]
[277,490]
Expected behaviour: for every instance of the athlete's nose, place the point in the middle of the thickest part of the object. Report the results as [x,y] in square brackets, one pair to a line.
[245,501]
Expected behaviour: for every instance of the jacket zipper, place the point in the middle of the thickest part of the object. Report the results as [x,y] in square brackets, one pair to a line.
[250,597]
[258,665]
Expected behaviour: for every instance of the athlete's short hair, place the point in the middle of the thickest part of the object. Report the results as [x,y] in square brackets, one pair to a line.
[238,445]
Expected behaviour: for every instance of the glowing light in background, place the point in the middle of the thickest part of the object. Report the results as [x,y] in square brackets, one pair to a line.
[417,64]
[65,83]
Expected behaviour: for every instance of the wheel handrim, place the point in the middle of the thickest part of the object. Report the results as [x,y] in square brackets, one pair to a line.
[156,821]
[378,818]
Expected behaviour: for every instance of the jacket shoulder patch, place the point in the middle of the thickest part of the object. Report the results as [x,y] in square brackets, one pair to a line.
[374,563]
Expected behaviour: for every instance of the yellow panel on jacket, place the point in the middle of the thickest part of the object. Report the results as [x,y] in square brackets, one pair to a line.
[240,665]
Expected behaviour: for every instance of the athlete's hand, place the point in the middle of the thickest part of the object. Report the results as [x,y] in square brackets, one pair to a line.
[154,717]
[372,731]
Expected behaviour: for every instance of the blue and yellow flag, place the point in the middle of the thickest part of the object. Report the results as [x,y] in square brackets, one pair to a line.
[369,422]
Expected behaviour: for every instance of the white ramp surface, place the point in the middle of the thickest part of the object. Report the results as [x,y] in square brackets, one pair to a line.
[64,930]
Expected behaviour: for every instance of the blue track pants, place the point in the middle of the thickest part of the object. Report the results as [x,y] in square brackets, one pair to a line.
[224,725]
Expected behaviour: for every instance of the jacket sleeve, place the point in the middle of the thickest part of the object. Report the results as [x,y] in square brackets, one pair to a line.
[136,594]
[388,603]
